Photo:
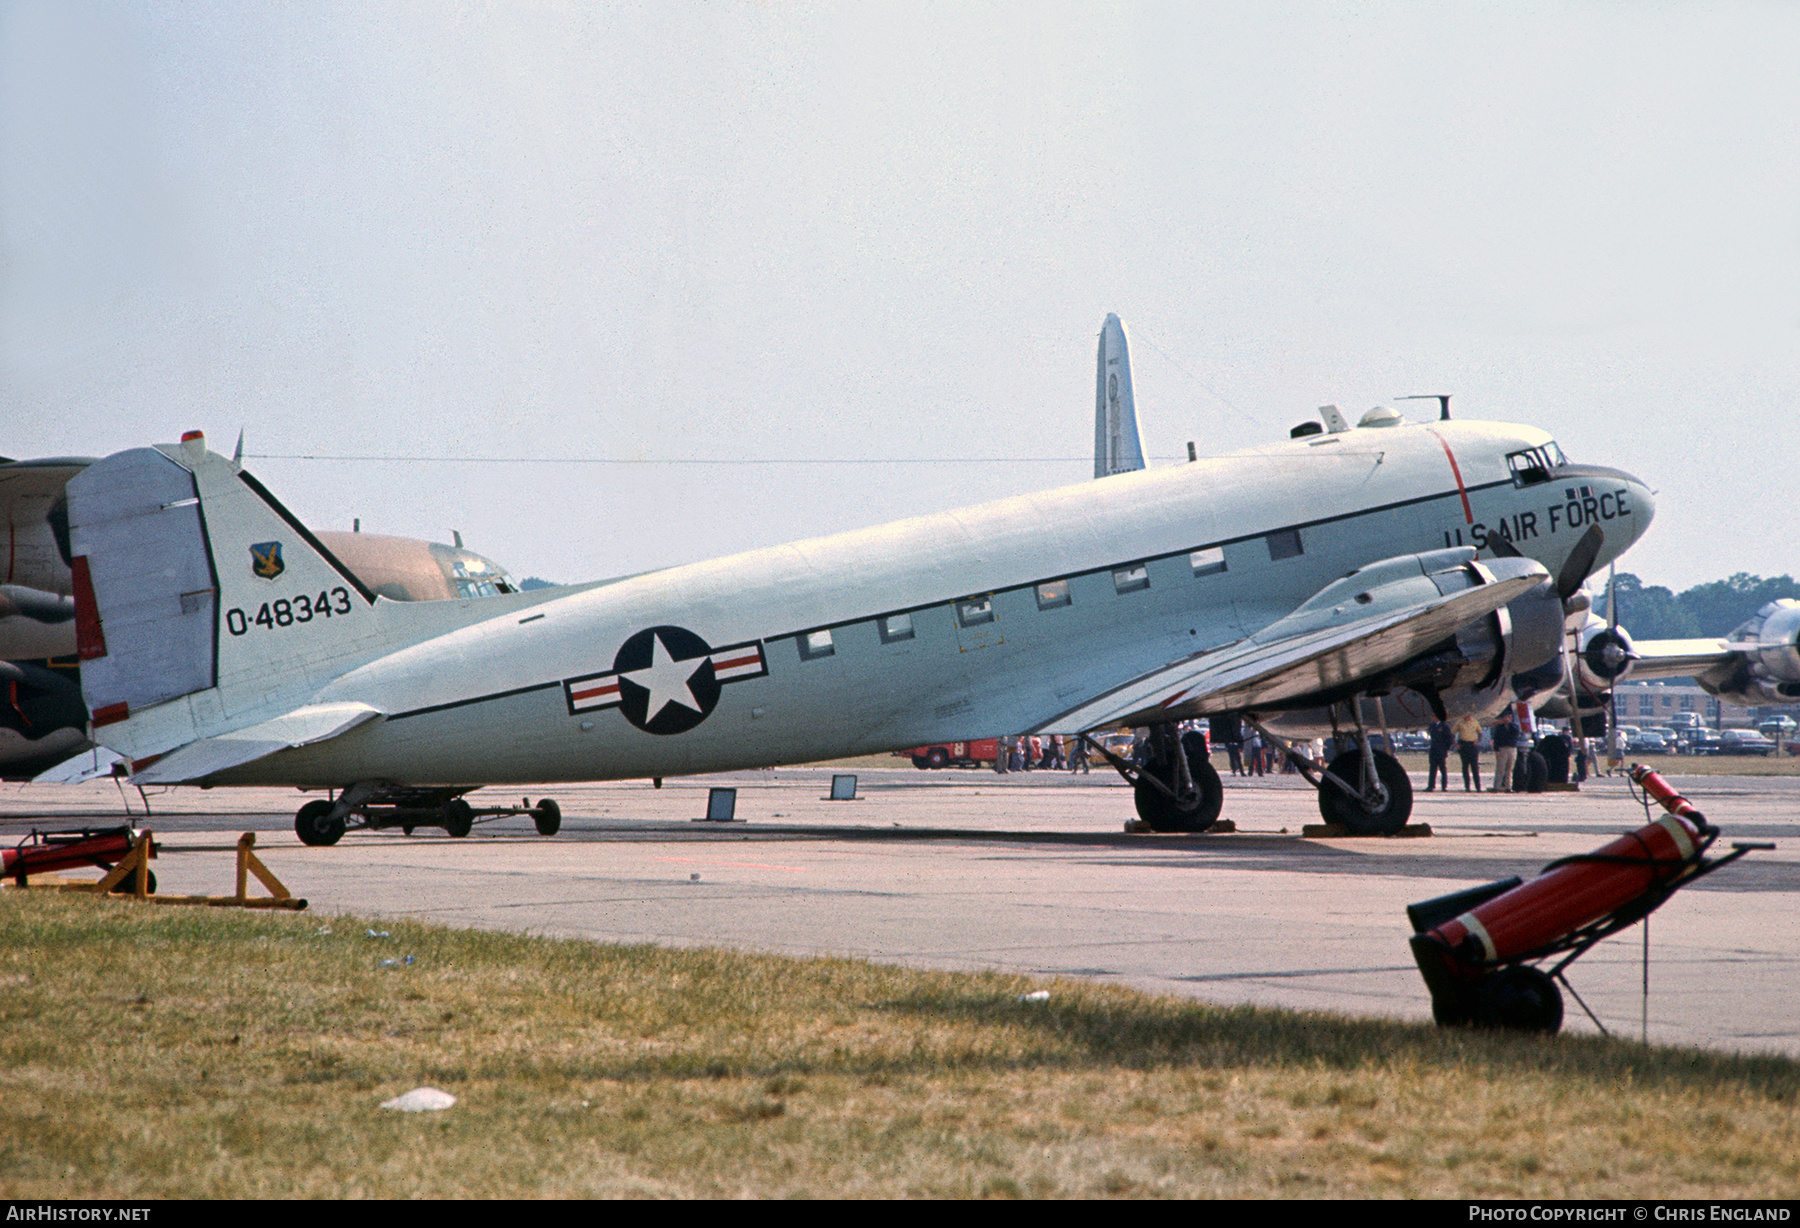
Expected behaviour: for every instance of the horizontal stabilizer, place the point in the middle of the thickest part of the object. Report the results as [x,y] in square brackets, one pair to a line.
[80,767]
[1357,628]
[301,727]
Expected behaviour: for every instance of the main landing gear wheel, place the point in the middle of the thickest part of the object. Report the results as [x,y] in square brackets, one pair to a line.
[314,825]
[1350,813]
[1164,813]
[547,817]
[1521,999]
[459,819]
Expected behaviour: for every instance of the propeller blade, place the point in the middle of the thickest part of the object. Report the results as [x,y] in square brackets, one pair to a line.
[1580,562]
[1502,548]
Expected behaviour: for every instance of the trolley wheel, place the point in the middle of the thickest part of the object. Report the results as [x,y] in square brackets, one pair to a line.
[1521,999]
[313,825]
[459,819]
[937,757]
[1349,812]
[1163,813]
[921,762]
[1453,1011]
[547,817]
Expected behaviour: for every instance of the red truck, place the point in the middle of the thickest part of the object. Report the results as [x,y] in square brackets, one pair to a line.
[978,753]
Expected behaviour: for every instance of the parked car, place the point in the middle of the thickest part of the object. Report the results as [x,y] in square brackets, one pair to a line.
[1698,741]
[1743,742]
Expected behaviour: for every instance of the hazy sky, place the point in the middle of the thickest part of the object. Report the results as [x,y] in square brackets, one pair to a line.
[748,232]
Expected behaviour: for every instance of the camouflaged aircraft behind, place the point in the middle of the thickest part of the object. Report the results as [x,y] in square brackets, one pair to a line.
[43,722]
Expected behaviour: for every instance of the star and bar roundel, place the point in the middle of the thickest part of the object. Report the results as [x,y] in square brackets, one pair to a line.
[665,679]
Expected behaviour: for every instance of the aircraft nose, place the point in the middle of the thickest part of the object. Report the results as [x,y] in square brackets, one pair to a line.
[1643,505]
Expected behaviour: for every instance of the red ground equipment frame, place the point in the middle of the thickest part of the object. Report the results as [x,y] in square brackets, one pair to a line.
[45,852]
[1478,949]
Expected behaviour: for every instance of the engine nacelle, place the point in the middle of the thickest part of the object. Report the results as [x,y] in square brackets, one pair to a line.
[1603,655]
[1767,672]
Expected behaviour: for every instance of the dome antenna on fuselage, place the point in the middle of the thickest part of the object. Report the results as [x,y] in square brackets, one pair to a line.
[1442,398]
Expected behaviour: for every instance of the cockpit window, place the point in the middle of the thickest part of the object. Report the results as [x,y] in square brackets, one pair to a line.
[473,576]
[1533,465]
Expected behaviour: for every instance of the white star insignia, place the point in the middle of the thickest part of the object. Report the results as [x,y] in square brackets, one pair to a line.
[666,679]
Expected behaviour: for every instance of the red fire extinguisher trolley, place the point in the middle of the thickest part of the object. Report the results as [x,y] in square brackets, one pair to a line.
[1479,950]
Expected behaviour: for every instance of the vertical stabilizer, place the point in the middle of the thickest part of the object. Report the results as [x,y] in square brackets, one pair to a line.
[201,603]
[1116,446]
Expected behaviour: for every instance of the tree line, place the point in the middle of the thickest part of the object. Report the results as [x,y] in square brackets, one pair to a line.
[1652,612]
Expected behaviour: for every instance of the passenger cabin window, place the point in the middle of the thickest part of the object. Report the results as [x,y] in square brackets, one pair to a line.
[1053,594]
[816,644]
[1285,544]
[895,627]
[1208,562]
[975,611]
[1131,579]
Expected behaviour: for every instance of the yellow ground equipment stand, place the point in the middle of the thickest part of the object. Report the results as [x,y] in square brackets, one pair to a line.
[130,878]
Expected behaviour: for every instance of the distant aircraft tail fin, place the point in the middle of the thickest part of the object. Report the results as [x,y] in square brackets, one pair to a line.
[1116,446]
[202,604]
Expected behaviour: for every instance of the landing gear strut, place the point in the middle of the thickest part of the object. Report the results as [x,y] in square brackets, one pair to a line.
[1378,807]
[1176,788]
[1364,791]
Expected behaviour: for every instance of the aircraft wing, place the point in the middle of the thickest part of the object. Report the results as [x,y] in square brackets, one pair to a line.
[1654,659]
[1366,624]
[301,727]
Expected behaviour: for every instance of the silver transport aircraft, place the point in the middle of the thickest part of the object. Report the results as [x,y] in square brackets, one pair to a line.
[1321,583]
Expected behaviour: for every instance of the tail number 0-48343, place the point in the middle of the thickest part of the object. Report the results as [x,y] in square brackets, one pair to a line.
[289,612]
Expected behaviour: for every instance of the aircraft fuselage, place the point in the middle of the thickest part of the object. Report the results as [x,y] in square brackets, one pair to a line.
[985,620]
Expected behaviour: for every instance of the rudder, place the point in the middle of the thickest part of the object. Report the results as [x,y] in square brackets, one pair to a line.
[193,581]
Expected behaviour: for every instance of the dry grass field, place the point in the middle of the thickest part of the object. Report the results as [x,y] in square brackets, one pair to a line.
[150,1052]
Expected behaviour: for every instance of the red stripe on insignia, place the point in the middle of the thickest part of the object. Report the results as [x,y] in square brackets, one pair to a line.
[611,688]
[755,658]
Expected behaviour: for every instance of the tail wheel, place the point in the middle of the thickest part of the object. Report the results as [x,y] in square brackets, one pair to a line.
[314,825]
[1350,813]
[1520,999]
[1164,813]
[547,817]
[459,819]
